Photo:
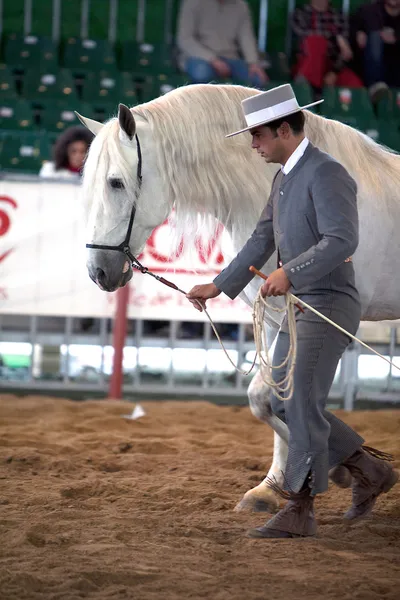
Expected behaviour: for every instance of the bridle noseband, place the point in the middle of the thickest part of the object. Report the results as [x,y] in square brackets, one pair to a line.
[124,246]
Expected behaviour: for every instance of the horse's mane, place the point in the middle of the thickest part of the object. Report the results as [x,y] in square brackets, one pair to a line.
[208,174]
[204,172]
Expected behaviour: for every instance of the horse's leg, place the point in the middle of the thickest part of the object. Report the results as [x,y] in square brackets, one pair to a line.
[261,498]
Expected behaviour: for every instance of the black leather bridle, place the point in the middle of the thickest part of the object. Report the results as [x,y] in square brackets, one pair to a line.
[124,246]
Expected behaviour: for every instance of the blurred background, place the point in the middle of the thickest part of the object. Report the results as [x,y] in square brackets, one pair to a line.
[59,56]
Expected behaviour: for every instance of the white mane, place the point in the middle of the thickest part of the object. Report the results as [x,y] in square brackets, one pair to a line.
[205,173]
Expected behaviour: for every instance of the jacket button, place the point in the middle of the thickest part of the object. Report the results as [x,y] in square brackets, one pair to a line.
[281,193]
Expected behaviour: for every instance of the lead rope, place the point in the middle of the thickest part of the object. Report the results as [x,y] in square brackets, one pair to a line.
[283,389]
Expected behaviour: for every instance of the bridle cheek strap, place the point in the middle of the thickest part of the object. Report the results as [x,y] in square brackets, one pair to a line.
[124,246]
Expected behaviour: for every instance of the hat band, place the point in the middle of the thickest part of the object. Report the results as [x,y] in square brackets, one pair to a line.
[271,113]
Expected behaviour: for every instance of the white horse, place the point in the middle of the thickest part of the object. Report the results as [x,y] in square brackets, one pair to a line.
[188,164]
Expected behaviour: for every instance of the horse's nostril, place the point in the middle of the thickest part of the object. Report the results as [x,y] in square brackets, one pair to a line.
[100,276]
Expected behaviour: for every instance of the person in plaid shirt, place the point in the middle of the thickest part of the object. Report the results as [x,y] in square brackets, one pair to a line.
[325,52]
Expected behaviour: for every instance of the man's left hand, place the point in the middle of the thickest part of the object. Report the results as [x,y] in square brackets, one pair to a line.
[257,71]
[277,284]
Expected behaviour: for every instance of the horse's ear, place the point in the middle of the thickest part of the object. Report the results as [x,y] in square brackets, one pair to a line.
[126,121]
[93,126]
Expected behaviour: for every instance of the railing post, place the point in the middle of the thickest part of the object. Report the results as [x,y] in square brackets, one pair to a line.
[55,33]
[27,17]
[263,26]
[119,335]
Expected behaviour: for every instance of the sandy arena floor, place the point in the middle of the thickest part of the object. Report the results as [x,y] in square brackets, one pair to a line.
[95,506]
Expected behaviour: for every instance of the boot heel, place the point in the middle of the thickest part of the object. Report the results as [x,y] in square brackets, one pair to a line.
[394,477]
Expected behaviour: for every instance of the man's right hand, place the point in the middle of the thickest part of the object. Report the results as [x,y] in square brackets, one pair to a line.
[221,67]
[362,39]
[201,293]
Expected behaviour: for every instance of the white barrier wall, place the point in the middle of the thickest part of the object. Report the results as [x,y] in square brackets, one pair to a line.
[43,254]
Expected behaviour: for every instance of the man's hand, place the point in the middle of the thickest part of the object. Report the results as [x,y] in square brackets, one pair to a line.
[388,35]
[345,50]
[362,39]
[221,67]
[257,71]
[277,284]
[201,293]
[330,78]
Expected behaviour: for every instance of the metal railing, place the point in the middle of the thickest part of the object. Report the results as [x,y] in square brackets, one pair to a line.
[62,336]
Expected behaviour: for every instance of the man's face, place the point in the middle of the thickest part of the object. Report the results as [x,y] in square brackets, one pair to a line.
[267,143]
[393,4]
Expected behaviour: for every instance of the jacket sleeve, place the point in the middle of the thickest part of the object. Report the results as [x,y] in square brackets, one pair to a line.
[257,250]
[334,194]
[186,35]
[247,39]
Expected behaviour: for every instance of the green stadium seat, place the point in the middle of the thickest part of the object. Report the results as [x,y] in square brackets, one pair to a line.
[278,68]
[28,52]
[102,111]
[23,152]
[389,107]
[304,94]
[57,84]
[145,59]
[389,135]
[110,88]
[160,85]
[349,105]
[84,55]
[16,114]
[7,84]
[58,116]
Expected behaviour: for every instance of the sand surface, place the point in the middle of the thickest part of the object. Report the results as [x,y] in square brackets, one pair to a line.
[96,506]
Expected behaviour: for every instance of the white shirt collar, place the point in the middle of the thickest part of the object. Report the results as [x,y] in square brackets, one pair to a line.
[295,157]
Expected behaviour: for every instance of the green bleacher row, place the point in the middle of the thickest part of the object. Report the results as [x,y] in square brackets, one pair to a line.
[28,129]
[38,96]
[157,13]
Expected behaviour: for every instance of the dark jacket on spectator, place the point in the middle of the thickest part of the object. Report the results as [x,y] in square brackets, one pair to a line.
[373,17]
[328,24]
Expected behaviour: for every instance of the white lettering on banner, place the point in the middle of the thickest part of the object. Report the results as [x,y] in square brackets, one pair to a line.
[43,262]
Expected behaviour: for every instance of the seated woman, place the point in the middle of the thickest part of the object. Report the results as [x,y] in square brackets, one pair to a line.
[69,154]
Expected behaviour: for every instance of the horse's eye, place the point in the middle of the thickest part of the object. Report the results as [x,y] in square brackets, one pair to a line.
[116,184]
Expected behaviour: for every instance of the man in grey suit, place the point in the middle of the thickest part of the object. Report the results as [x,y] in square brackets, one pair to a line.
[311,220]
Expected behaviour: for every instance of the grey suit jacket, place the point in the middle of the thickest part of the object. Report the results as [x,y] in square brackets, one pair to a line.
[311,217]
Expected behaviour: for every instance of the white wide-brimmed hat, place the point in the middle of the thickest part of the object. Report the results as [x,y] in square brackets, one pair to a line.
[269,106]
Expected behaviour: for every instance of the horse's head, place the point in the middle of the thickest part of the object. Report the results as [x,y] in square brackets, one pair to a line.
[123,196]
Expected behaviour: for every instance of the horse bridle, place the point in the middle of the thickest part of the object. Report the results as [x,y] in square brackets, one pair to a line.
[124,246]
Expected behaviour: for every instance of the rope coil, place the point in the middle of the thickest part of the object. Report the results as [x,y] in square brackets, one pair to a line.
[283,389]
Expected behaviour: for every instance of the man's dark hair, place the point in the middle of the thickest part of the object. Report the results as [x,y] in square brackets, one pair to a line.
[60,149]
[295,121]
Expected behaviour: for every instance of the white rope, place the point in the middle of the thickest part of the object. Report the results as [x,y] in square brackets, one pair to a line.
[283,389]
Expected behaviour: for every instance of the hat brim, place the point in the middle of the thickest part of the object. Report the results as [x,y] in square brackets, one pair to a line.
[274,118]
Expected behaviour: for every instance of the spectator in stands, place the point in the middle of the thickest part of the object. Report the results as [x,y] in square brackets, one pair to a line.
[325,52]
[69,154]
[376,29]
[216,41]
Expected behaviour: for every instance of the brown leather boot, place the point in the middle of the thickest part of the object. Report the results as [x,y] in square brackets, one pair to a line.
[341,476]
[372,476]
[295,520]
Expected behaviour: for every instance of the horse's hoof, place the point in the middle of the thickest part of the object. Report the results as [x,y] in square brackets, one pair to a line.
[341,476]
[251,502]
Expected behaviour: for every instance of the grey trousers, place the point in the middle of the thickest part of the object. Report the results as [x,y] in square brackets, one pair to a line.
[317,439]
